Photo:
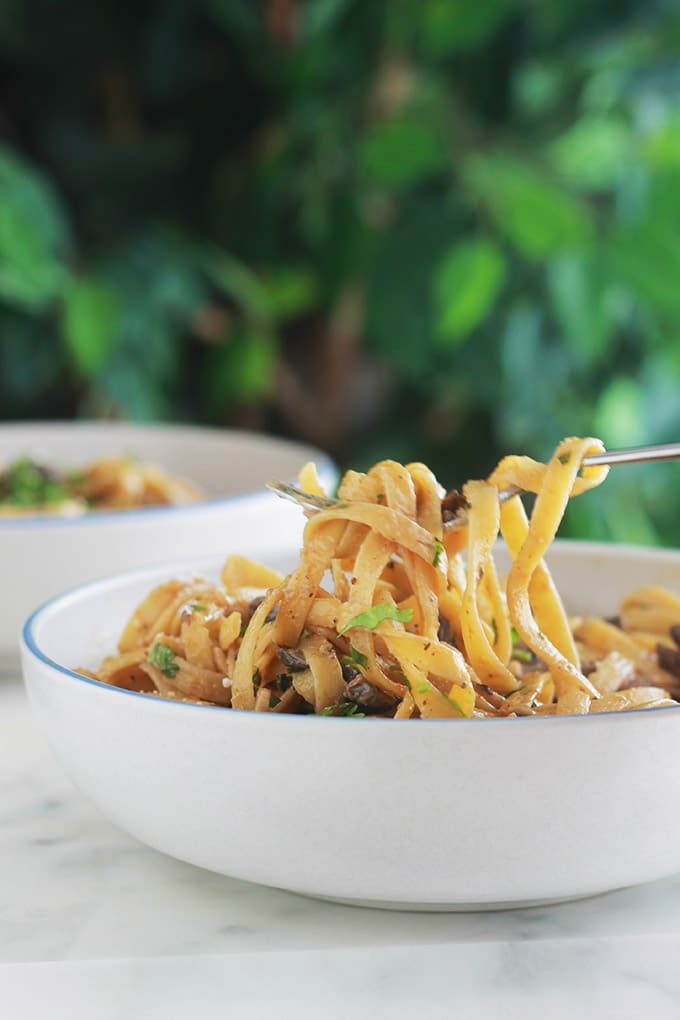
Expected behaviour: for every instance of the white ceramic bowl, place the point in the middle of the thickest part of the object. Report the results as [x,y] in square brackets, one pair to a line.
[41,556]
[418,814]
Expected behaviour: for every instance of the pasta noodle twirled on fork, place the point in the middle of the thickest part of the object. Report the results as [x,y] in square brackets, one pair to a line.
[389,614]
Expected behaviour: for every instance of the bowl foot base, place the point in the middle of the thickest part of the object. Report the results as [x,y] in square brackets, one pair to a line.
[458,908]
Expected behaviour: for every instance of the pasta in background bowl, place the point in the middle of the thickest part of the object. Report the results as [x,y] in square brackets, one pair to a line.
[42,555]
[30,488]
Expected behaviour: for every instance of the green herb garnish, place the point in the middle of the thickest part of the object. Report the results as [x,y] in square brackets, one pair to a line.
[564,458]
[274,700]
[438,550]
[198,608]
[257,680]
[284,680]
[163,658]
[370,619]
[357,658]
[26,483]
[459,710]
[346,708]
[519,652]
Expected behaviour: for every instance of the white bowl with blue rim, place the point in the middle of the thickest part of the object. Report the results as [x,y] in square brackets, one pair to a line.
[417,814]
[43,555]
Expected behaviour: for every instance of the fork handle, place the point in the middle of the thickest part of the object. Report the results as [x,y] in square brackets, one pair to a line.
[634,455]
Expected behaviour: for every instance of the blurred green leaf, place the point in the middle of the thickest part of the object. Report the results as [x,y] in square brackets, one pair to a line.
[34,236]
[659,384]
[90,320]
[243,368]
[177,291]
[30,275]
[619,414]
[661,146]
[31,365]
[538,217]
[400,321]
[126,391]
[466,285]
[26,190]
[290,291]
[319,16]
[237,281]
[646,257]
[593,152]
[533,417]
[631,524]
[581,306]
[448,26]
[537,86]
[401,152]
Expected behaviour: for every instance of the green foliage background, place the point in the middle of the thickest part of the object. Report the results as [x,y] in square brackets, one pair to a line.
[426,229]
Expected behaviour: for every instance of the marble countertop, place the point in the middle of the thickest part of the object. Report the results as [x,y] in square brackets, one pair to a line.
[94,925]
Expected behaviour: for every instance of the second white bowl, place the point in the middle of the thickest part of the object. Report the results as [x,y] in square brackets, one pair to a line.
[41,556]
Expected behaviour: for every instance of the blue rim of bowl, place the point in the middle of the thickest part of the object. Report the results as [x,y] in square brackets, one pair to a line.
[325,466]
[32,647]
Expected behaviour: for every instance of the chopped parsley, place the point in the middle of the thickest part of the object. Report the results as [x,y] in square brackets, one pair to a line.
[522,655]
[438,550]
[357,658]
[26,483]
[398,673]
[345,708]
[564,458]
[163,658]
[274,700]
[257,680]
[452,701]
[519,652]
[370,619]
[284,680]
[198,608]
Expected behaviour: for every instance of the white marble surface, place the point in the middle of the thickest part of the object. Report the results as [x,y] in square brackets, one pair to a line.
[92,924]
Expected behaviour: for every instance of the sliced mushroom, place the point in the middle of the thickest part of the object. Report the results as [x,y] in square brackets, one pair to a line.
[452,504]
[368,697]
[349,672]
[294,661]
[669,659]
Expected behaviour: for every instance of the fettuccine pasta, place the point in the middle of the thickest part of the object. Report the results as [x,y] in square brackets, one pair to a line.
[391,614]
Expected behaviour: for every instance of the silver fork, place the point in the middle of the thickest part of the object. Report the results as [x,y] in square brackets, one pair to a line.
[632,455]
